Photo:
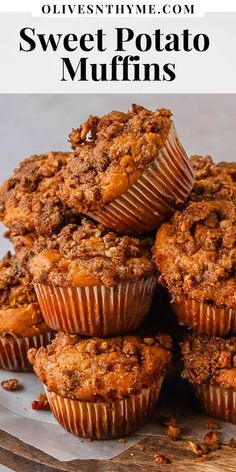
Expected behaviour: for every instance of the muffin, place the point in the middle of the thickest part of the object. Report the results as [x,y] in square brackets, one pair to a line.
[229,168]
[29,200]
[196,255]
[130,171]
[21,322]
[92,281]
[213,181]
[102,388]
[210,366]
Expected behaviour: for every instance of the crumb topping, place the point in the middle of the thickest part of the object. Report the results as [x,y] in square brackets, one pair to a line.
[15,282]
[213,181]
[89,254]
[110,154]
[97,369]
[196,253]
[29,199]
[209,360]
[20,314]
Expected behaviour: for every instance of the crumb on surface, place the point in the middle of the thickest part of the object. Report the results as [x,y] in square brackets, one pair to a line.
[232,443]
[173,432]
[161,459]
[11,385]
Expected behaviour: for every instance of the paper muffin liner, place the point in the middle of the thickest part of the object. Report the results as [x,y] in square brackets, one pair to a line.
[166,183]
[13,351]
[218,402]
[96,310]
[205,318]
[105,420]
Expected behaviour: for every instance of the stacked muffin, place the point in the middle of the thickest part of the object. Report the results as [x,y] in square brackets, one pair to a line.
[195,253]
[85,219]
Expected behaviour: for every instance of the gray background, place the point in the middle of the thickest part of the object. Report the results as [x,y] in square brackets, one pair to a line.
[32,124]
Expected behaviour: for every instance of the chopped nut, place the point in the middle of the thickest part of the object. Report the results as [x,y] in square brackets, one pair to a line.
[160,459]
[173,432]
[42,397]
[212,440]
[38,405]
[10,385]
[232,443]
[212,425]
[102,347]
[88,440]
[149,341]
[224,359]
[121,440]
[197,448]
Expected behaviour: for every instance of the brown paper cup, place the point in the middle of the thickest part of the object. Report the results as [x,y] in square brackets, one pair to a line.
[13,351]
[217,401]
[162,187]
[205,318]
[96,310]
[104,420]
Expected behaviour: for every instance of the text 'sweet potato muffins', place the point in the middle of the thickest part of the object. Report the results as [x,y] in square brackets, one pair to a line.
[130,171]
[21,322]
[102,388]
[92,281]
[196,255]
[210,366]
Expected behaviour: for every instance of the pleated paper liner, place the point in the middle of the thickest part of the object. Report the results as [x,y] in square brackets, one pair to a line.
[96,310]
[205,318]
[217,401]
[161,189]
[105,420]
[13,351]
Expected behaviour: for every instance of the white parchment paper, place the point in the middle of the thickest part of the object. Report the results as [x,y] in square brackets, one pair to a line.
[40,429]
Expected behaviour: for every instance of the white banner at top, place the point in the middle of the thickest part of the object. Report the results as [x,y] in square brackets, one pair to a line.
[119,8]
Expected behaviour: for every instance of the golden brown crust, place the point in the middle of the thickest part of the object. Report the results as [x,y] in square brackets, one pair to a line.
[29,199]
[90,254]
[196,253]
[119,148]
[20,314]
[98,369]
[209,360]
[213,181]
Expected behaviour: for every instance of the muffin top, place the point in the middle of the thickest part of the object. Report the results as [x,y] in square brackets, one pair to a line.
[209,360]
[96,369]
[119,147]
[90,254]
[20,314]
[196,253]
[29,199]
[213,181]
[229,168]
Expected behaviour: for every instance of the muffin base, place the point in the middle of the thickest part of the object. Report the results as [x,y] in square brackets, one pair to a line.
[96,310]
[205,318]
[104,420]
[217,401]
[162,187]
[13,351]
